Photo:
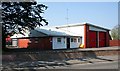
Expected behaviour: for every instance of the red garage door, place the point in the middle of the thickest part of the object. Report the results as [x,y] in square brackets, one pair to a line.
[102,39]
[92,39]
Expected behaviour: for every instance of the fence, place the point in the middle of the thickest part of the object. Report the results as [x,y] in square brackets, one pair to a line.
[114,42]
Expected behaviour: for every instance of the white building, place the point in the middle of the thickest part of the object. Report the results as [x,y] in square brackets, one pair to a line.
[66,36]
[92,35]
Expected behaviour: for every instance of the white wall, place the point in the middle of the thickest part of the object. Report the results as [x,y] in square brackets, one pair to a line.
[58,45]
[63,45]
[79,30]
[14,42]
[75,44]
[96,29]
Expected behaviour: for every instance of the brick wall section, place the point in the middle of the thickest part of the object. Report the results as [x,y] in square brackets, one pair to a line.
[114,42]
[41,43]
[86,35]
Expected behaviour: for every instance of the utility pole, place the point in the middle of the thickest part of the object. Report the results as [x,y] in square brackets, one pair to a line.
[67,18]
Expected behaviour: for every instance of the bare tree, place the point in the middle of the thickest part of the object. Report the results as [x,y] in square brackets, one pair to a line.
[115,32]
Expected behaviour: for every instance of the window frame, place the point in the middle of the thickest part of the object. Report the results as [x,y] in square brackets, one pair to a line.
[59,40]
[79,40]
[75,40]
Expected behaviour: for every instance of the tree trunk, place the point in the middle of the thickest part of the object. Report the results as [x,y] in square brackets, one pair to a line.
[4,49]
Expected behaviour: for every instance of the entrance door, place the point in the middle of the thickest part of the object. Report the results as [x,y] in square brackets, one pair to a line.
[68,43]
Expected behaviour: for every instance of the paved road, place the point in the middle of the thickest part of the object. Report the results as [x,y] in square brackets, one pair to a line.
[103,65]
[95,65]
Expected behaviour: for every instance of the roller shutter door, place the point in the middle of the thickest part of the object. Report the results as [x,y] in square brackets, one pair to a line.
[92,39]
[102,39]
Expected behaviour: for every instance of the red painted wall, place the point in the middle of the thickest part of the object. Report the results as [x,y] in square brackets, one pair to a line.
[41,43]
[23,43]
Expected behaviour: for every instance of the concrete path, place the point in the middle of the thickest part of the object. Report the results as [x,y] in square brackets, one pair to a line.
[101,48]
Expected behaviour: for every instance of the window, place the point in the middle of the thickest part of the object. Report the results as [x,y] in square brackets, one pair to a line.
[75,40]
[78,39]
[36,40]
[58,40]
[29,41]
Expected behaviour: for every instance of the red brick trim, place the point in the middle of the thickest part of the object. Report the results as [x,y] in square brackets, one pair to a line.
[86,35]
[107,38]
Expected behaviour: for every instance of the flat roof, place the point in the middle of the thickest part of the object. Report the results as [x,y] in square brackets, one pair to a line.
[81,24]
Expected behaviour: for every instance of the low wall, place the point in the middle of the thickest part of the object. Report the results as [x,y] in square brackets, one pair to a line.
[56,55]
[114,42]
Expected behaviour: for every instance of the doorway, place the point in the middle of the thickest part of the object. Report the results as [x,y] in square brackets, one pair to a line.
[68,43]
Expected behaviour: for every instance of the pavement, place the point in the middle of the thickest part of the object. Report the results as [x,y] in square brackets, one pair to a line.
[101,48]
